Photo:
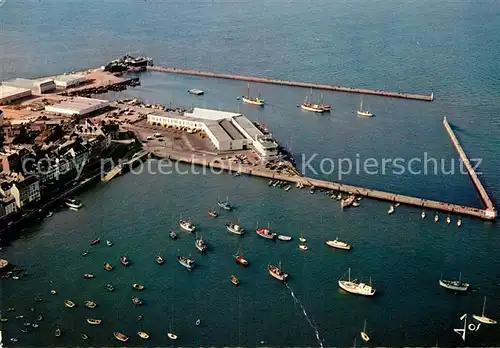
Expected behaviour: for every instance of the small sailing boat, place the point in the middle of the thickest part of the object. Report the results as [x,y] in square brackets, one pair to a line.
[364,335]
[303,247]
[124,261]
[95,241]
[172,235]
[482,319]
[136,301]
[200,244]
[252,100]
[363,113]
[93,321]
[456,285]
[301,238]
[239,258]
[235,280]
[391,210]
[277,272]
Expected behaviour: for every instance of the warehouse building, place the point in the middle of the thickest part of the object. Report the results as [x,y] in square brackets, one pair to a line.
[78,106]
[263,144]
[69,81]
[10,94]
[37,86]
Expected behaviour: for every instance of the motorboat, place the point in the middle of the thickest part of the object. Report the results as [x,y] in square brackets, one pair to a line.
[213,213]
[143,335]
[288,187]
[459,222]
[364,335]
[109,243]
[187,226]
[234,228]
[95,241]
[110,287]
[284,238]
[108,267]
[172,235]
[84,336]
[120,337]
[235,280]
[90,304]
[186,261]
[423,215]
[138,286]
[483,319]
[265,233]
[302,239]
[355,287]
[196,91]
[455,285]
[225,205]
[69,304]
[391,209]
[436,218]
[200,245]
[338,244]
[303,247]
[88,276]
[93,321]
[448,219]
[159,260]
[58,332]
[136,301]
[73,203]
[124,261]
[276,272]
[53,292]
[172,336]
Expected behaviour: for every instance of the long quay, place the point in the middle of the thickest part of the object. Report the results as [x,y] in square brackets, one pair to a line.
[490,208]
[361,191]
[414,96]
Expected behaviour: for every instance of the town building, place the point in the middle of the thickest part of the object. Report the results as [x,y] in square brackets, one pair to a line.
[78,106]
[36,86]
[70,80]
[10,94]
[26,191]
[7,206]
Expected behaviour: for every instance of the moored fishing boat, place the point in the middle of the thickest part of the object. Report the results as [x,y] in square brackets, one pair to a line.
[276,272]
[73,203]
[338,244]
[239,258]
[187,226]
[138,286]
[265,233]
[95,241]
[172,235]
[120,337]
[252,100]
[186,261]
[225,205]
[448,219]
[159,260]
[213,213]
[90,304]
[124,260]
[109,243]
[93,321]
[301,238]
[234,228]
[303,247]
[347,202]
[108,267]
[355,287]
[235,280]
[69,304]
[143,335]
[136,301]
[455,285]
[200,244]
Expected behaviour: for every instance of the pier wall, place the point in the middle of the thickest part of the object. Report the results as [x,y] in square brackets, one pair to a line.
[490,208]
[414,96]
[361,191]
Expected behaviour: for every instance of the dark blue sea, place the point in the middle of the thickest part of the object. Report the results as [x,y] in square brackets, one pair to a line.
[450,48]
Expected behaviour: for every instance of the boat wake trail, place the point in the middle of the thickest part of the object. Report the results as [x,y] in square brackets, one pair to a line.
[311,322]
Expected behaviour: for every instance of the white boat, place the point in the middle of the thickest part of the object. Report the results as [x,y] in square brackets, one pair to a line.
[302,239]
[456,285]
[109,243]
[356,204]
[363,113]
[234,228]
[459,222]
[448,220]
[252,100]
[338,244]
[143,335]
[284,238]
[172,336]
[319,108]
[482,319]
[196,91]
[303,247]
[200,244]
[225,205]
[347,202]
[391,210]
[277,272]
[355,287]
[364,335]
[423,214]
[187,262]
[288,187]
[187,226]
[73,203]
[436,218]
[198,322]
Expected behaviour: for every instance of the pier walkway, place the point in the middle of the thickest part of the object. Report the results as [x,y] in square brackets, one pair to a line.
[414,96]
[490,208]
[329,185]
[118,169]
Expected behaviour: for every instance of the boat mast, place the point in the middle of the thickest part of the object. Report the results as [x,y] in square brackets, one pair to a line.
[248,90]
[361,106]
[349,272]
[364,327]
[484,305]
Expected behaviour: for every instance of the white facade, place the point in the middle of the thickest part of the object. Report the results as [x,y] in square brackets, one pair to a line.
[78,106]
[9,94]
[8,206]
[266,147]
[26,191]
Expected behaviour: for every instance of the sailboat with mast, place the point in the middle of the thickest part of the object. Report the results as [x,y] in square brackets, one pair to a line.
[363,113]
[364,335]
[355,287]
[238,257]
[456,285]
[252,100]
[319,108]
[482,319]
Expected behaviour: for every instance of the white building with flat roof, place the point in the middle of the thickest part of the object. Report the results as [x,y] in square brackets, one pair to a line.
[10,94]
[78,106]
[70,80]
[263,144]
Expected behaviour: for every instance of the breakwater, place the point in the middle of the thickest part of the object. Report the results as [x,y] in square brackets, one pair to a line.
[336,88]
